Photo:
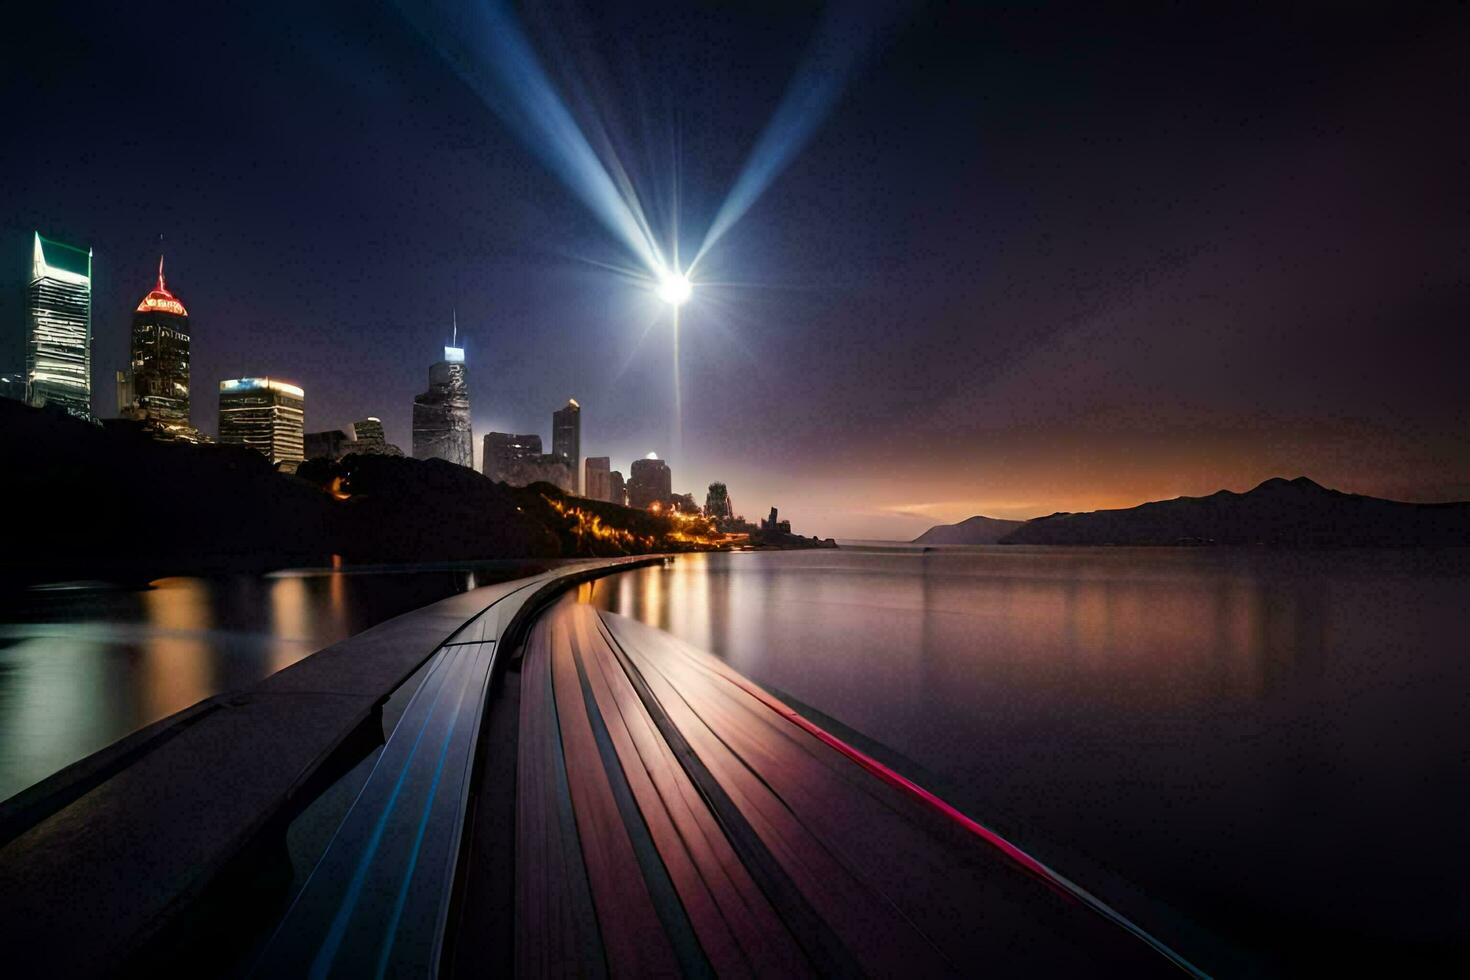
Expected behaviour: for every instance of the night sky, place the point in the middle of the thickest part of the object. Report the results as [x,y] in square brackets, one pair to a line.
[1032,260]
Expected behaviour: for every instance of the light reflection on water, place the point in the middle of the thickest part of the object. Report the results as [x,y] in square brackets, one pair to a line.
[1222,739]
[83,666]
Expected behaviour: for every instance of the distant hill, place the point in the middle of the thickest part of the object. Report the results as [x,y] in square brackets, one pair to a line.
[1278,512]
[973,530]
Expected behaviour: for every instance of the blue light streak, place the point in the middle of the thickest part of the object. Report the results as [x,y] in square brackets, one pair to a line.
[488,49]
[843,39]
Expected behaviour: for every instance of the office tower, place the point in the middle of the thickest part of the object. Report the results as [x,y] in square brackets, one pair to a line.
[717,506]
[651,483]
[504,455]
[617,489]
[160,364]
[566,436]
[597,483]
[59,328]
[266,415]
[127,401]
[548,468]
[441,415]
[332,444]
[369,435]
[368,439]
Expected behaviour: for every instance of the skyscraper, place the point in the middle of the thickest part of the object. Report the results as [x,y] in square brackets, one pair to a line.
[369,439]
[598,478]
[266,415]
[717,506]
[566,436]
[59,328]
[332,444]
[617,489]
[441,415]
[160,364]
[505,453]
[369,435]
[651,483]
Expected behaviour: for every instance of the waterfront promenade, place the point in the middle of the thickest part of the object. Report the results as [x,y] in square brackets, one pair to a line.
[559,790]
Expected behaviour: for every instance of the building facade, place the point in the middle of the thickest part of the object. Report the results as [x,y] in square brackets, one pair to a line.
[717,506]
[597,478]
[266,415]
[566,436]
[441,415]
[505,454]
[332,444]
[617,488]
[158,379]
[369,436]
[517,460]
[59,328]
[651,483]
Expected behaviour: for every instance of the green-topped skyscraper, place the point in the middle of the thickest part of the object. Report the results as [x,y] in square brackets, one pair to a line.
[59,328]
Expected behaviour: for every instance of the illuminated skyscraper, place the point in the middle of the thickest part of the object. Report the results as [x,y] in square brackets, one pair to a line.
[267,415]
[441,415]
[651,483]
[597,484]
[160,364]
[59,328]
[566,436]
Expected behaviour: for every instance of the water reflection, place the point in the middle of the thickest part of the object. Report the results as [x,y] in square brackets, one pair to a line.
[175,665]
[1207,735]
[82,667]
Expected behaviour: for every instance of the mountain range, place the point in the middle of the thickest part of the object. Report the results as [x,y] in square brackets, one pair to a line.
[1279,512]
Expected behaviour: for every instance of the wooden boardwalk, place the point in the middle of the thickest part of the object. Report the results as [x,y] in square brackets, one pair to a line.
[672,817]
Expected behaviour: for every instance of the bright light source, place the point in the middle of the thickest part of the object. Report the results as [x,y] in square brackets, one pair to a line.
[675,288]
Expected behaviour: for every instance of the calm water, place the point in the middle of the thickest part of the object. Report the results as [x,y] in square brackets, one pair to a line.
[1263,757]
[82,666]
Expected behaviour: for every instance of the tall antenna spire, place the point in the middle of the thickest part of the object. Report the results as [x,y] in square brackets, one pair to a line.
[160,262]
[454,313]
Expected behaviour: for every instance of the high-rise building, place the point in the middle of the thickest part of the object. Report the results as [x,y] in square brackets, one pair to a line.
[651,483]
[618,490]
[127,400]
[717,506]
[159,375]
[597,482]
[59,328]
[369,435]
[332,444]
[368,439]
[441,415]
[566,436]
[504,454]
[266,415]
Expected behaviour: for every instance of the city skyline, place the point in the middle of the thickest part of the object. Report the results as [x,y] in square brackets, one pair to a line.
[1104,318]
